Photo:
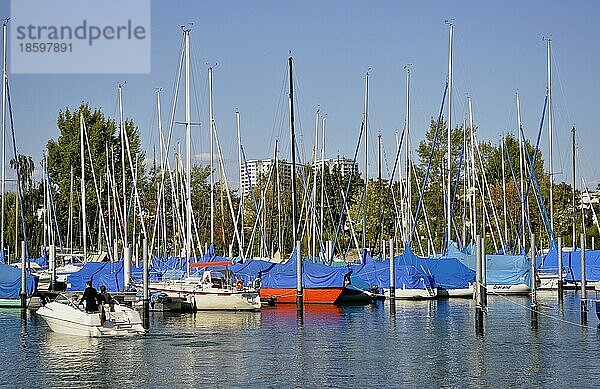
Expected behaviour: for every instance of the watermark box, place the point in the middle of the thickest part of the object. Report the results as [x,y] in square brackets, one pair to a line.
[79,36]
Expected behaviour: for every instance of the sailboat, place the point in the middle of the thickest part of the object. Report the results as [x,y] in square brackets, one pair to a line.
[211,287]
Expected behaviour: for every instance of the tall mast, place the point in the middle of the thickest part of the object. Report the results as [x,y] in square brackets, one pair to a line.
[293,152]
[366,126]
[322,174]
[573,187]
[83,200]
[521,168]
[4,28]
[314,189]
[502,150]
[122,126]
[449,131]
[279,231]
[239,135]
[188,158]
[473,172]
[212,177]
[407,136]
[550,133]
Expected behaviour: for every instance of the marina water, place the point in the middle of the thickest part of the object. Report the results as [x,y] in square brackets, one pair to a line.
[425,343]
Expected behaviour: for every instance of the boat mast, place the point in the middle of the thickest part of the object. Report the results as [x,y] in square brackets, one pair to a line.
[550,133]
[83,202]
[366,126]
[122,126]
[188,160]
[239,136]
[211,137]
[4,28]
[573,189]
[473,172]
[502,150]
[293,152]
[449,132]
[314,189]
[521,165]
[322,174]
[407,137]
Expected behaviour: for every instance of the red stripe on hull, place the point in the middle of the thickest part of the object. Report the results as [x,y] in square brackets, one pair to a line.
[311,296]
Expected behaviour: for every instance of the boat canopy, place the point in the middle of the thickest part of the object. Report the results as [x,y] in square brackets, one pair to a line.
[571,261]
[10,282]
[314,275]
[109,274]
[500,269]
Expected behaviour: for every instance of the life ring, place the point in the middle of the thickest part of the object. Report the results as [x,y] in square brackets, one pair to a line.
[257,283]
[239,284]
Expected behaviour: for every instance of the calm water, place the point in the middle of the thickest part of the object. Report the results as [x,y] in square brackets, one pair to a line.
[426,344]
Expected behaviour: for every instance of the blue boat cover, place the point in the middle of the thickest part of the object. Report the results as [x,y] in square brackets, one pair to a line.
[109,274]
[10,282]
[571,261]
[410,271]
[500,269]
[314,275]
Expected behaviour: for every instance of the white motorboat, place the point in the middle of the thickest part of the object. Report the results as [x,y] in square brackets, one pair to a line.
[412,293]
[210,292]
[457,292]
[65,317]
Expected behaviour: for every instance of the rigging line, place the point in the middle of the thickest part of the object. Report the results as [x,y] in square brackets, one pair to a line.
[532,174]
[390,185]
[19,183]
[345,199]
[437,127]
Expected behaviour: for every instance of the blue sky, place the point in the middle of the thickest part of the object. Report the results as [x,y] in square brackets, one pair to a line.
[498,50]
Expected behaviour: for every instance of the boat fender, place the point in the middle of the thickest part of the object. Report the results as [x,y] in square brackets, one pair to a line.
[239,284]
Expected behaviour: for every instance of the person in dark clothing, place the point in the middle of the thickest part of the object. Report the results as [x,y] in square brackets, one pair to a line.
[104,297]
[90,295]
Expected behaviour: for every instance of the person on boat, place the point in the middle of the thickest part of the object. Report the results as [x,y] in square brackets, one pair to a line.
[105,298]
[90,295]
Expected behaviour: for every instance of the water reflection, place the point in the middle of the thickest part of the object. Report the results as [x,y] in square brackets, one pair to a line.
[409,343]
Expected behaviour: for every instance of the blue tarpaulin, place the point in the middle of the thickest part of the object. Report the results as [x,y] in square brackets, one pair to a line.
[10,282]
[109,274]
[571,261]
[500,269]
[314,275]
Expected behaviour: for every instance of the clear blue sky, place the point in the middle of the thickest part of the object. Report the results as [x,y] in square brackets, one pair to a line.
[498,49]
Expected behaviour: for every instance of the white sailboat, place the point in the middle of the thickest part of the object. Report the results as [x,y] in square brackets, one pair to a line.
[209,289]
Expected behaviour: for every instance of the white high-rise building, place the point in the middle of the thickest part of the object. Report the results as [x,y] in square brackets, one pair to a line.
[254,169]
[332,164]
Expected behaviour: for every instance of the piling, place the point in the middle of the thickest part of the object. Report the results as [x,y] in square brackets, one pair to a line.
[145,295]
[23,276]
[560,275]
[583,283]
[478,284]
[126,268]
[534,304]
[299,294]
[52,267]
[115,251]
[392,273]
[483,275]
[231,251]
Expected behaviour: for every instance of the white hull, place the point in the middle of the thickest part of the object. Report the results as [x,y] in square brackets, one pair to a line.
[412,294]
[506,289]
[65,318]
[204,297]
[458,292]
